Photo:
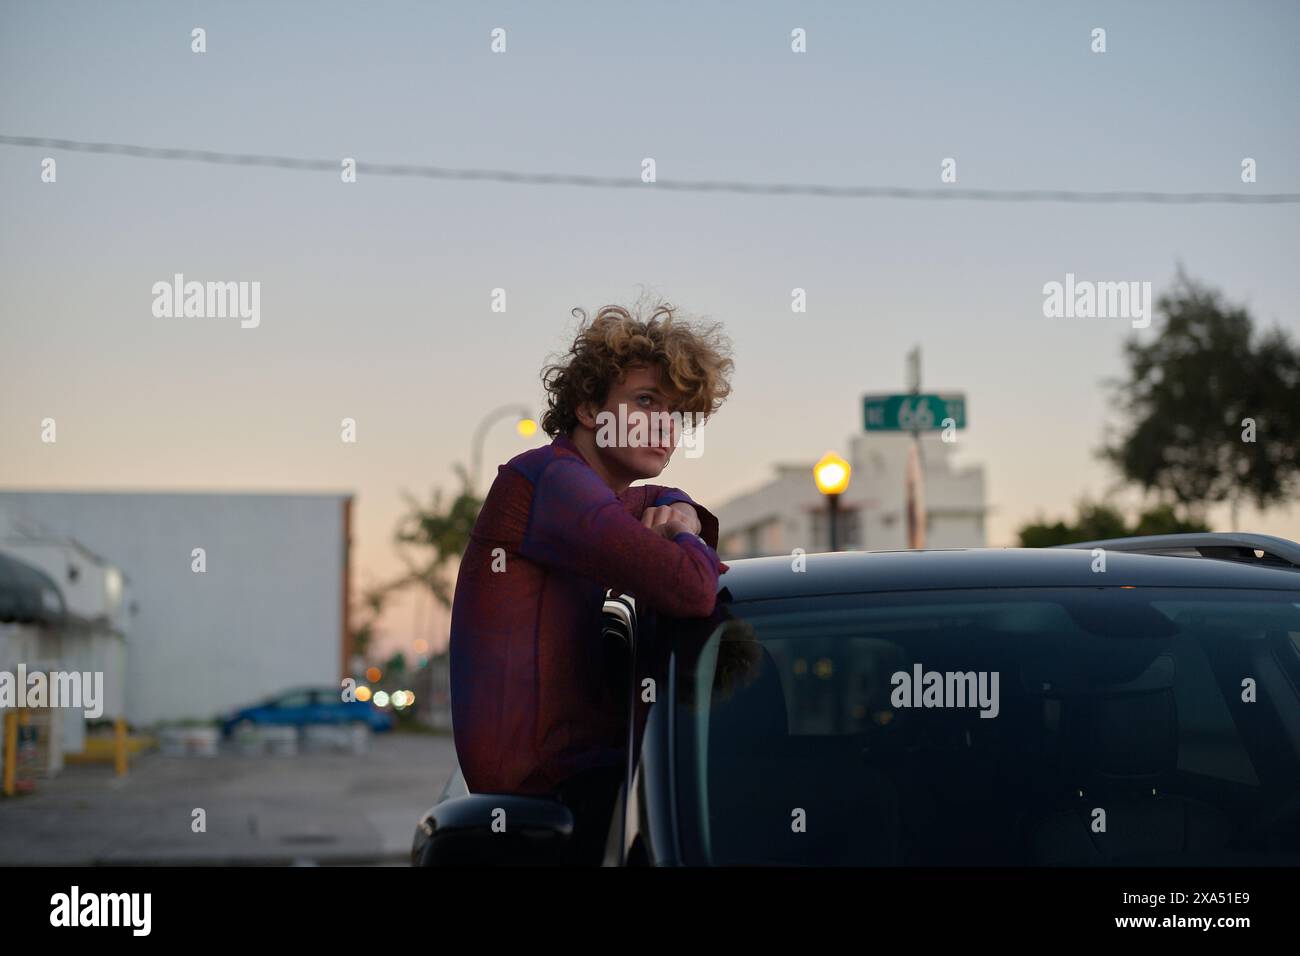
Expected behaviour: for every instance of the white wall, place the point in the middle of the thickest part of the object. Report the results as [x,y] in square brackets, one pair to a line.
[265,616]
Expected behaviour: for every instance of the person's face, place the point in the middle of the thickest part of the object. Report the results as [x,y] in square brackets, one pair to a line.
[643,401]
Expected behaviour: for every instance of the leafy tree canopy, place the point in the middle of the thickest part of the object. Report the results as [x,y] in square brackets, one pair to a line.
[1212,409]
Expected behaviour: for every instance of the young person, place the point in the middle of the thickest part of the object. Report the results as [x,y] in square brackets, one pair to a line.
[535,707]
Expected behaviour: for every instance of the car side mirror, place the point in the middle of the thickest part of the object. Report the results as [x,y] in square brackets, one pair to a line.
[493,829]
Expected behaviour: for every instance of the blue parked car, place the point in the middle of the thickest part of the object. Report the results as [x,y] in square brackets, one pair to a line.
[310,705]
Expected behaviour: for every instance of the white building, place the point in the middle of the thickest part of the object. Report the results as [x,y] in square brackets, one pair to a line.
[266,612]
[789,512]
[87,637]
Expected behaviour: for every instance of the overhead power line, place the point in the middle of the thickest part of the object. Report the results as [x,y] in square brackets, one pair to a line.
[678,185]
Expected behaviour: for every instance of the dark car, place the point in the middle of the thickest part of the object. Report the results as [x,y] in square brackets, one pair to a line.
[308,705]
[1056,707]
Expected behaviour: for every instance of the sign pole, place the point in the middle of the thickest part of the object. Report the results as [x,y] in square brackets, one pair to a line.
[915,479]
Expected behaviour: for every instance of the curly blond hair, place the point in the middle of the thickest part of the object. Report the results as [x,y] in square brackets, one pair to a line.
[695,359]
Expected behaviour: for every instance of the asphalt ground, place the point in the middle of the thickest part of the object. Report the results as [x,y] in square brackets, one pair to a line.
[310,809]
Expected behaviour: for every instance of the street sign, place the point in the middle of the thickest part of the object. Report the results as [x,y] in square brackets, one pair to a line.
[906,412]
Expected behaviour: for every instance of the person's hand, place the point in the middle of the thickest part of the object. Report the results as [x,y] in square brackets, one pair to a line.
[672,528]
[670,521]
[678,512]
[689,516]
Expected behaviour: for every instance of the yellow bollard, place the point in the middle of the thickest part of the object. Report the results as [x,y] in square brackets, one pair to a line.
[119,746]
[11,751]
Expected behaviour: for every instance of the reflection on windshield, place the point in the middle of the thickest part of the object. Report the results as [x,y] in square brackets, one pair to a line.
[1071,727]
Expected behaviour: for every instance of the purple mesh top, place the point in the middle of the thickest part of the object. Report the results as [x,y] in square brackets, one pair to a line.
[532,696]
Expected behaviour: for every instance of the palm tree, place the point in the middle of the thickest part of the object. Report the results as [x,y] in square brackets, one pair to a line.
[444,530]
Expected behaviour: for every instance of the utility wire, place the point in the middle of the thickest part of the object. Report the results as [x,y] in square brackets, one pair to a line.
[681,185]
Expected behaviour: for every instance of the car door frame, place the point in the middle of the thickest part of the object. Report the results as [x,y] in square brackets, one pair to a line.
[646,813]
[647,816]
[619,623]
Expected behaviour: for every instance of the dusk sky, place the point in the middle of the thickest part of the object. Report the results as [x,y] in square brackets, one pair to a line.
[376,296]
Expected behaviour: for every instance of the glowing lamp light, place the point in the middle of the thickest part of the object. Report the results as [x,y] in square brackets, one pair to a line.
[526,428]
[831,474]
[381,699]
[373,674]
[363,693]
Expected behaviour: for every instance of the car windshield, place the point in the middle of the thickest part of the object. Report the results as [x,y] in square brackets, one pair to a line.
[1109,726]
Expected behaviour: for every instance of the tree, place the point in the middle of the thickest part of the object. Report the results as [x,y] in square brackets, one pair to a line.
[396,665]
[364,632]
[444,531]
[1099,521]
[1094,521]
[1213,411]
[1162,520]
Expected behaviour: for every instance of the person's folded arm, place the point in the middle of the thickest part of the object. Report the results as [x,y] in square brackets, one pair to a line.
[640,497]
[671,496]
[577,523]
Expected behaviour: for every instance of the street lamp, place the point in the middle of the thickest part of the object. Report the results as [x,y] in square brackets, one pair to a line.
[525,426]
[831,474]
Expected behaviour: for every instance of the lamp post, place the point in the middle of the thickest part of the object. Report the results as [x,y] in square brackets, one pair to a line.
[525,426]
[831,474]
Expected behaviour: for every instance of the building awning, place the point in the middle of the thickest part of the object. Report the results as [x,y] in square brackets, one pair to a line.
[28,595]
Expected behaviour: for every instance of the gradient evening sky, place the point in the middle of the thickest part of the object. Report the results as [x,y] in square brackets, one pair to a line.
[375,296]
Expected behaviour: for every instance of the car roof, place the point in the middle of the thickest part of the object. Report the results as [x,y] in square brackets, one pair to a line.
[300,689]
[848,572]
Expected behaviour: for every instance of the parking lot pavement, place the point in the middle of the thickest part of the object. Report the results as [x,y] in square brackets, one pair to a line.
[309,809]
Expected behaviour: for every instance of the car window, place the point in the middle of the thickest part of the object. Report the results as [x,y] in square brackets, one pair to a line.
[1208,741]
[1035,727]
[294,700]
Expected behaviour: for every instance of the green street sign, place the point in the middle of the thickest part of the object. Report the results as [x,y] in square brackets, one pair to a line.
[906,412]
